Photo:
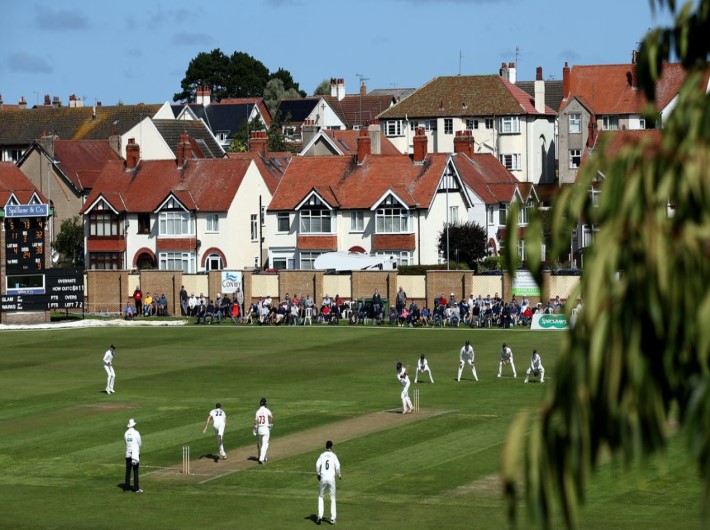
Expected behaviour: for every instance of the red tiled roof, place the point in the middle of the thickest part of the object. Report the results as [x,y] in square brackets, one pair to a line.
[611,143]
[486,176]
[205,184]
[358,186]
[82,160]
[12,180]
[359,110]
[346,141]
[271,168]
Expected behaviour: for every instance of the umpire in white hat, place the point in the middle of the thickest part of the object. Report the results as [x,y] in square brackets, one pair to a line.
[133,453]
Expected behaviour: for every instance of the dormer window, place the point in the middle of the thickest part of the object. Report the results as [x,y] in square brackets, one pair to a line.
[315,217]
[392,218]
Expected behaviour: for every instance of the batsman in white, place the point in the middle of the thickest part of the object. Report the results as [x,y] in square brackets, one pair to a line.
[263,421]
[108,367]
[133,455]
[327,466]
[506,357]
[423,366]
[536,368]
[467,356]
[219,422]
[403,379]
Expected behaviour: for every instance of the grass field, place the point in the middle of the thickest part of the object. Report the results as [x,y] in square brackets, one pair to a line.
[61,436]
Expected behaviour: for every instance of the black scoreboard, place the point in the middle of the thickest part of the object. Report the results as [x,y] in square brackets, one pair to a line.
[63,289]
[24,244]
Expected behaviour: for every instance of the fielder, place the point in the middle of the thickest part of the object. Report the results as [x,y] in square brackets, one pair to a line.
[506,357]
[403,379]
[327,466]
[219,422]
[536,368]
[423,366]
[467,355]
[263,421]
[108,367]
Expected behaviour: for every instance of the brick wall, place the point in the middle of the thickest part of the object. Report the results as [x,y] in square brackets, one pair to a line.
[364,284]
[446,282]
[159,282]
[106,291]
[303,283]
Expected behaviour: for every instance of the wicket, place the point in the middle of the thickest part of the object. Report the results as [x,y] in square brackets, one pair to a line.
[416,400]
[185,459]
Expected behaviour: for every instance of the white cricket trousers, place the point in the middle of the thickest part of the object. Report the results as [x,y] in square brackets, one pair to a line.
[326,486]
[111,377]
[262,442]
[406,402]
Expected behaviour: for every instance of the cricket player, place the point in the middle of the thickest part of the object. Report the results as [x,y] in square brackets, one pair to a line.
[403,379]
[133,449]
[263,421]
[108,367]
[536,367]
[219,422]
[506,357]
[423,366]
[467,356]
[327,466]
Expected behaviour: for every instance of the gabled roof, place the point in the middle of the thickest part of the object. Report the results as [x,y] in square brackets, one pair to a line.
[15,182]
[21,127]
[203,142]
[348,185]
[474,95]
[271,167]
[295,111]
[207,185]
[81,161]
[344,142]
[611,88]
[359,110]
[612,143]
[397,93]
[486,177]
[228,115]
[553,91]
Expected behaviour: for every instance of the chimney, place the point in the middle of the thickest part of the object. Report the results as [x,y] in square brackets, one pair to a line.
[341,89]
[114,142]
[308,130]
[503,72]
[98,103]
[47,100]
[631,76]
[55,102]
[184,150]
[258,143]
[463,143]
[634,56]
[133,154]
[420,145]
[203,95]
[22,104]
[364,145]
[539,91]
[375,137]
[363,89]
[75,102]
[566,82]
[512,76]
[333,87]
[592,131]
[47,142]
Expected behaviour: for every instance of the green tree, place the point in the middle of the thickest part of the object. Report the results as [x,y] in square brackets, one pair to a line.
[246,76]
[240,141]
[467,242]
[69,242]
[206,69]
[287,79]
[323,89]
[275,91]
[639,354]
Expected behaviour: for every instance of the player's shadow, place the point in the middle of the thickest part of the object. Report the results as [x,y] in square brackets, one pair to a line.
[253,458]
[313,517]
[122,487]
[214,458]
[394,411]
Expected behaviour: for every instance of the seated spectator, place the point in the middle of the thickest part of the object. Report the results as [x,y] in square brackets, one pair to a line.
[163,305]
[326,301]
[488,316]
[200,313]
[403,317]
[362,315]
[475,315]
[147,304]
[281,312]
[324,313]
[192,305]
[413,317]
[394,317]
[514,312]
[526,316]
[155,305]
[454,316]
[424,316]
[128,311]
[210,311]
[505,316]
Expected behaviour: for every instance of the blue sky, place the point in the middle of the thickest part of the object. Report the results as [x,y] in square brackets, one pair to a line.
[138,51]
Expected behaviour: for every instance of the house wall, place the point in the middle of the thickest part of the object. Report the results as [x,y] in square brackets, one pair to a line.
[570,141]
[151,142]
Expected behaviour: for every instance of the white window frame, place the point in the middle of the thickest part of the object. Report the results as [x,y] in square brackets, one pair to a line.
[280,218]
[357,221]
[448,126]
[471,124]
[177,261]
[575,123]
[510,125]
[502,213]
[594,194]
[175,223]
[511,161]
[393,128]
[393,219]
[212,223]
[521,249]
[254,227]
[213,262]
[489,123]
[610,122]
[315,221]
[575,158]
[307,259]
[453,214]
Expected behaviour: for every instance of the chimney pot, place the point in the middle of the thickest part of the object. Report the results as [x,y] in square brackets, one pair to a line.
[133,153]
[464,143]
[420,145]
[47,101]
[364,145]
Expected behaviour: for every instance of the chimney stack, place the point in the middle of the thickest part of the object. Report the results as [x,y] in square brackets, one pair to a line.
[341,89]
[184,150]
[363,89]
[55,102]
[258,143]
[47,100]
[512,75]
[364,145]
[420,145]
[333,87]
[566,82]
[133,154]
[22,104]
[203,95]
[539,91]
[375,137]
[463,143]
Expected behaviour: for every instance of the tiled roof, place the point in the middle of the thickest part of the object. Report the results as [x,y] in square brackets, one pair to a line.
[610,88]
[553,91]
[204,144]
[228,115]
[612,142]
[477,95]
[345,184]
[346,141]
[486,176]
[272,167]
[12,180]
[397,93]
[359,110]
[21,127]
[205,184]
[81,161]
[295,111]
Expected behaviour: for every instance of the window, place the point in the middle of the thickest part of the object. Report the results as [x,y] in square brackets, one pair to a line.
[595,196]
[393,128]
[392,220]
[105,224]
[413,125]
[316,221]
[524,212]
[610,123]
[489,123]
[430,125]
[511,162]
[448,126]
[180,261]
[278,263]
[214,262]
[254,227]
[471,124]
[510,125]
[575,157]
[212,225]
[283,223]
[575,123]
[502,213]
[588,234]
[144,223]
[222,137]
[105,260]
[490,215]
[174,223]
[308,259]
[357,221]
[521,249]
[403,257]
[453,214]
